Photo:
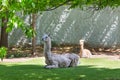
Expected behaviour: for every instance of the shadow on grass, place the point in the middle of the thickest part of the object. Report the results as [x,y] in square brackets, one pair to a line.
[37,72]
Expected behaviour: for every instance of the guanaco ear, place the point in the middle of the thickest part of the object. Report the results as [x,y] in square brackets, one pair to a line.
[81,40]
[49,34]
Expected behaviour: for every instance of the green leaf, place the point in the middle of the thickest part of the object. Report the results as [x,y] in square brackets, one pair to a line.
[5,3]
[33,5]
[3,52]
[9,29]
[29,32]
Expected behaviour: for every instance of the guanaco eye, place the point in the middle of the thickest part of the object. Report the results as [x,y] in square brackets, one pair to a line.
[46,37]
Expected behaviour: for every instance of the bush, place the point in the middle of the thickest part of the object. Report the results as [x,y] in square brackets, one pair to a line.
[3,52]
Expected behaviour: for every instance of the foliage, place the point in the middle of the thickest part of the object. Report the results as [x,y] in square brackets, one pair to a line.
[89,69]
[3,52]
[34,6]
[12,7]
[95,4]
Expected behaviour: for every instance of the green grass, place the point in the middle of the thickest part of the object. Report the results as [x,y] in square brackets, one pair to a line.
[89,69]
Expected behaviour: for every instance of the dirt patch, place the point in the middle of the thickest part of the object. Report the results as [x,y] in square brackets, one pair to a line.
[108,55]
[17,59]
[111,57]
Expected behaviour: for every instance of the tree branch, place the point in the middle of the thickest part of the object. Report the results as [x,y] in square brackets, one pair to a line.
[53,8]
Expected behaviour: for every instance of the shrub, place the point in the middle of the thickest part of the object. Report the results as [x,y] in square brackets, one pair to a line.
[3,52]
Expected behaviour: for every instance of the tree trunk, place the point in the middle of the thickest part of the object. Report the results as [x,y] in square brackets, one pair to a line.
[33,24]
[4,34]
[0,34]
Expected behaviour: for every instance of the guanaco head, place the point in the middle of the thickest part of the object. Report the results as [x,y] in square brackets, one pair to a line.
[81,42]
[46,37]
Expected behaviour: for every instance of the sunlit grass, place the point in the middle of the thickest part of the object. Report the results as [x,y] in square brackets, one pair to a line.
[89,69]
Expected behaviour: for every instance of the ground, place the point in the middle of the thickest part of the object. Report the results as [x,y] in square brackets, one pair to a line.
[25,52]
[101,55]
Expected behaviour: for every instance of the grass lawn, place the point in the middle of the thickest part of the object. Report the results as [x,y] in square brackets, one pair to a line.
[89,69]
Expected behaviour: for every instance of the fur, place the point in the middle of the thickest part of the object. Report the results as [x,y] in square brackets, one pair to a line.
[84,52]
[58,60]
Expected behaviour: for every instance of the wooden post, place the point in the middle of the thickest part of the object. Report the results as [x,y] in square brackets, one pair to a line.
[33,24]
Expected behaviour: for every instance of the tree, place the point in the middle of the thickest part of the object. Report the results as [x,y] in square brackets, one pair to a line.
[33,24]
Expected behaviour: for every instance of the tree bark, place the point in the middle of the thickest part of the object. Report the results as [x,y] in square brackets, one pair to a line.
[4,34]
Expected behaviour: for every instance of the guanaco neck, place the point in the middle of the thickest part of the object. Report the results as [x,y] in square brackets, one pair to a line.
[47,49]
[82,48]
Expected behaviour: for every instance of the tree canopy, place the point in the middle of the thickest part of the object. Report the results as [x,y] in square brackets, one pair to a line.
[11,7]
